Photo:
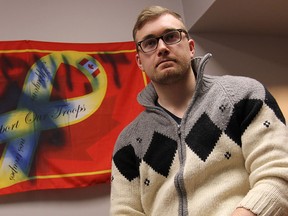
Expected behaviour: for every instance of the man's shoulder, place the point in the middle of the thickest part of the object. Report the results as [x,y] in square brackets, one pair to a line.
[240,85]
[131,128]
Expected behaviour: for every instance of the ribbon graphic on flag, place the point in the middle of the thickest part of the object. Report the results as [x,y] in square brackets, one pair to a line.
[37,113]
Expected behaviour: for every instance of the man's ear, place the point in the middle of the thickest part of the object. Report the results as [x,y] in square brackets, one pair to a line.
[139,63]
[192,47]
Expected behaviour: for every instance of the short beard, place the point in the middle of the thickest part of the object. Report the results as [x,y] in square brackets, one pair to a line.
[171,76]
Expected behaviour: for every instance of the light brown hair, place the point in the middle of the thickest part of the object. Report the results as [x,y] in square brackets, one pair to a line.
[151,13]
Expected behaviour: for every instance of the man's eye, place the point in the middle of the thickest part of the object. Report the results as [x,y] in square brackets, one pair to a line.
[171,37]
[149,42]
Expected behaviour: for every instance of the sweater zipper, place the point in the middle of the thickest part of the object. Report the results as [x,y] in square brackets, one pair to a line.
[179,182]
[179,179]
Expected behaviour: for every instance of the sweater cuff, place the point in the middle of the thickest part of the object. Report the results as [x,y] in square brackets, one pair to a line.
[263,200]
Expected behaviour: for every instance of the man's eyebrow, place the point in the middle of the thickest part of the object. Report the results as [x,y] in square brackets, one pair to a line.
[149,36]
[154,36]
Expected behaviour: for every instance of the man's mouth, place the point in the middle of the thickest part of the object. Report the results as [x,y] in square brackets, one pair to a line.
[164,61]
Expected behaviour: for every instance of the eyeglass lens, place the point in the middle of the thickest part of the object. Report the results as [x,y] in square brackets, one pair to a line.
[168,38]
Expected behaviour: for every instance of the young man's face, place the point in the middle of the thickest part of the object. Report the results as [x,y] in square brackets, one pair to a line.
[167,63]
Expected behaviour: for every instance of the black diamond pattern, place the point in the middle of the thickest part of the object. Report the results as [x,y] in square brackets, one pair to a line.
[222,108]
[203,137]
[243,114]
[147,182]
[271,102]
[228,155]
[160,153]
[266,124]
[127,162]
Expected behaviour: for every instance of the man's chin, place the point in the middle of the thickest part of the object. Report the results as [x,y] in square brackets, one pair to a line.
[168,79]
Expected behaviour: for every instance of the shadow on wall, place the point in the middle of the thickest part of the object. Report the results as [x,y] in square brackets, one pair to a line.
[262,58]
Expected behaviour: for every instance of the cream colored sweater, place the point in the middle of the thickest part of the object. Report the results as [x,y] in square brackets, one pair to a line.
[230,150]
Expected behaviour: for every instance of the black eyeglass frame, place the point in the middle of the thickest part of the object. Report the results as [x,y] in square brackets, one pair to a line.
[162,37]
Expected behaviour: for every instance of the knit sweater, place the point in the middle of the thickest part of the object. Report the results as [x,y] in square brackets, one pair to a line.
[230,150]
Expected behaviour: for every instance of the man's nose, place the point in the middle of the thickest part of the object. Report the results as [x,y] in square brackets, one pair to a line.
[162,48]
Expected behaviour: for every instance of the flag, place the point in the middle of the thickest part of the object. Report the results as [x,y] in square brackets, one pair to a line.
[63,106]
[89,66]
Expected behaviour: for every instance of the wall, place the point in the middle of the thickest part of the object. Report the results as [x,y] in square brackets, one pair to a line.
[68,21]
[73,21]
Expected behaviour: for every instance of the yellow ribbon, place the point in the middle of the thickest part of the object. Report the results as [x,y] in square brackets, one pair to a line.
[21,128]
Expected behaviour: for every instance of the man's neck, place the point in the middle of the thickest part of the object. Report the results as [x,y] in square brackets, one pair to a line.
[176,97]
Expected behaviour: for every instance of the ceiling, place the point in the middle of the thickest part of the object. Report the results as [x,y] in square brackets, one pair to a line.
[249,17]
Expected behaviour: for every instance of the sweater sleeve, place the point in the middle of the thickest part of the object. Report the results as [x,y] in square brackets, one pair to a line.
[265,148]
[125,184]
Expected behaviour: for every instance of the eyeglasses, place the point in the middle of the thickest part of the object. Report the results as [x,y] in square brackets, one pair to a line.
[169,38]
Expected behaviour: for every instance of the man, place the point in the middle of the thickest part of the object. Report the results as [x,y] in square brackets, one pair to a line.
[205,145]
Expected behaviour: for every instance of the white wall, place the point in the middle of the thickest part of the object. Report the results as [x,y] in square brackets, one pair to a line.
[194,9]
[72,20]
[68,21]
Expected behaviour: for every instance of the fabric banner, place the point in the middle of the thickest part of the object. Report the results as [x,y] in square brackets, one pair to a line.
[62,107]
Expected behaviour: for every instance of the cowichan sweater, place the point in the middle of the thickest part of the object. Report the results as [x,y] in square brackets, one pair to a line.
[230,150]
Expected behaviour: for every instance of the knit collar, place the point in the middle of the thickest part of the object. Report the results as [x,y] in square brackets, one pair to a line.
[148,95]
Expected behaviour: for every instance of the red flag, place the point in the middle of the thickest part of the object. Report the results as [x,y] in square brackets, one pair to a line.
[62,108]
